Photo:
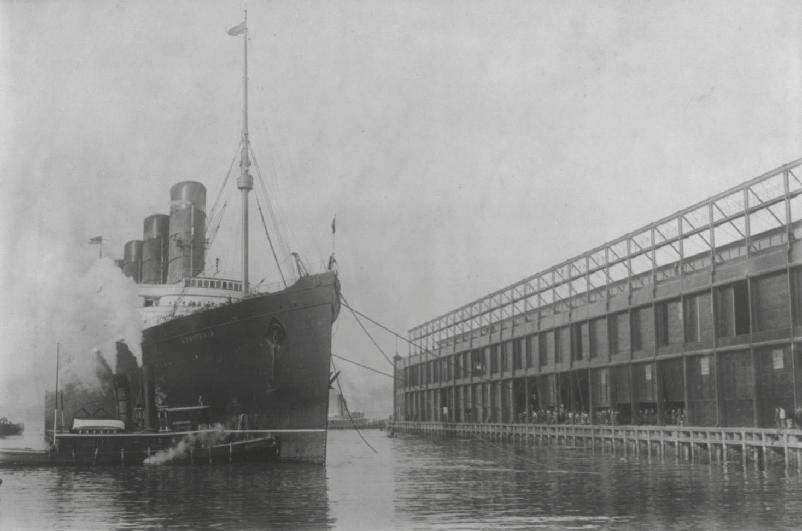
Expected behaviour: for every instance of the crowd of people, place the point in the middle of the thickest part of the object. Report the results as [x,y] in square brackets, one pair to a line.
[605,416]
[783,420]
[675,416]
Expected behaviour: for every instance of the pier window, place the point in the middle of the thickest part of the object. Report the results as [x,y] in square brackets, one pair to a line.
[774,376]
[691,319]
[518,349]
[796,295]
[495,359]
[668,323]
[612,334]
[477,362]
[506,356]
[661,324]
[600,389]
[642,326]
[619,333]
[737,388]
[597,334]
[555,346]
[637,340]
[770,302]
[732,310]
[457,366]
[543,349]
[576,341]
[671,389]
[701,390]
[561,344]
[644,391]
[621,394]
[530,351]
[545,391]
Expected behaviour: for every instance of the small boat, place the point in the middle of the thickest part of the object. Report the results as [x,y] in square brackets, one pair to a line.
[9,428]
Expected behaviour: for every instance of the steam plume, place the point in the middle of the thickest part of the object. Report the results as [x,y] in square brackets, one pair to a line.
[182,448]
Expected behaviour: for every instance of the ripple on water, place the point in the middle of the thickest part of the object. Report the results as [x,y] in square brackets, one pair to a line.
[410,483]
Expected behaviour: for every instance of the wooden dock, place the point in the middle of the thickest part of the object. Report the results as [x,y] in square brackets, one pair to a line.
[756,445]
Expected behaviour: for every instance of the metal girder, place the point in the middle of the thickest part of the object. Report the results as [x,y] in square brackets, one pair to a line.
[532,293]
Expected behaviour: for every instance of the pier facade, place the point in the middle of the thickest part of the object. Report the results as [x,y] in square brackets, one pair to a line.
[692,320]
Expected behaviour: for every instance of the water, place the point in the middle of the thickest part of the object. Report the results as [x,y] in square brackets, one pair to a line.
[411,482]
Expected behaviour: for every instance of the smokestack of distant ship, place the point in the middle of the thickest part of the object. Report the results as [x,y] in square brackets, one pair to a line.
[132,260]
[155,235]
[187,239]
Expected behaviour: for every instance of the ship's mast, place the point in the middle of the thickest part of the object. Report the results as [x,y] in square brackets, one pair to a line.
[245,181]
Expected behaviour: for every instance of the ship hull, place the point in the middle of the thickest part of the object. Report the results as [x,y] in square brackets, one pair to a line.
[163,448]
[261,363]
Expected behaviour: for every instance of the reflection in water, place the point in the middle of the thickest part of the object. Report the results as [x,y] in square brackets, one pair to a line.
[412,482]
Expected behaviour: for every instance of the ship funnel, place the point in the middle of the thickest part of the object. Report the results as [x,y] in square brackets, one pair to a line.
[132,260]
[187,239]
[155,235]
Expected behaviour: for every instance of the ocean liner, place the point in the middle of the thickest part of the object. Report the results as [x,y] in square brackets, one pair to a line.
[228,369]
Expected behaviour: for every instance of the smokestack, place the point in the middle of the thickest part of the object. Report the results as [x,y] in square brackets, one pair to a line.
[132,260]
[155,236]
[187,240]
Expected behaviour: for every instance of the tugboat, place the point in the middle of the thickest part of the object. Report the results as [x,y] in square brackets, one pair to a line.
[9,428]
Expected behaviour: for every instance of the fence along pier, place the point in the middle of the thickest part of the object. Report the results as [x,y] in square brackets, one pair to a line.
[756,445]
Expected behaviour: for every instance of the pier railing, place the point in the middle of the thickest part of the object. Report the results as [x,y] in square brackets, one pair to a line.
[755,444]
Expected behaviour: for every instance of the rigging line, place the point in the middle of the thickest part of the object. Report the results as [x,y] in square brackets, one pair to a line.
[366,367]
[216,227]
[273,217]
[281,241]
[348,412]
[366,331]
[270,241]
[212,212]
[426,351]
[393,332]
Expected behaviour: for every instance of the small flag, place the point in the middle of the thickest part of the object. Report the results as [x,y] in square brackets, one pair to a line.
[96,240]
[334,224]
[239,29]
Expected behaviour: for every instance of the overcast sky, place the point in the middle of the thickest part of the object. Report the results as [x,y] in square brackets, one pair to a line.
[462,145]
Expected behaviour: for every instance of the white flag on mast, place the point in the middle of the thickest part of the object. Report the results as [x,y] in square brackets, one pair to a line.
[239,29]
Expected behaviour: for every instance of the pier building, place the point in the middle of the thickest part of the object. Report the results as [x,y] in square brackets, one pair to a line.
[695,319]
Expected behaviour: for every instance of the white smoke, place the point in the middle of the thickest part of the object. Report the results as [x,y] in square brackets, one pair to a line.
[182,448]
[56,290]
[92,313]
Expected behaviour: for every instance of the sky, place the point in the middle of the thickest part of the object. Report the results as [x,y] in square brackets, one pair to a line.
[461,144]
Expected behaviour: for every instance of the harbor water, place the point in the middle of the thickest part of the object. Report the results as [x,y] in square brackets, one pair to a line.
[409,482]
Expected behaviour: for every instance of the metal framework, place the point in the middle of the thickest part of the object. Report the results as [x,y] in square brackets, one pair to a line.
[762,213]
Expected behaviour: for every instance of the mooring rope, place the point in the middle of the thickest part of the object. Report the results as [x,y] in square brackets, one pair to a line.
[345,303]
[348,412]
[364,366]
